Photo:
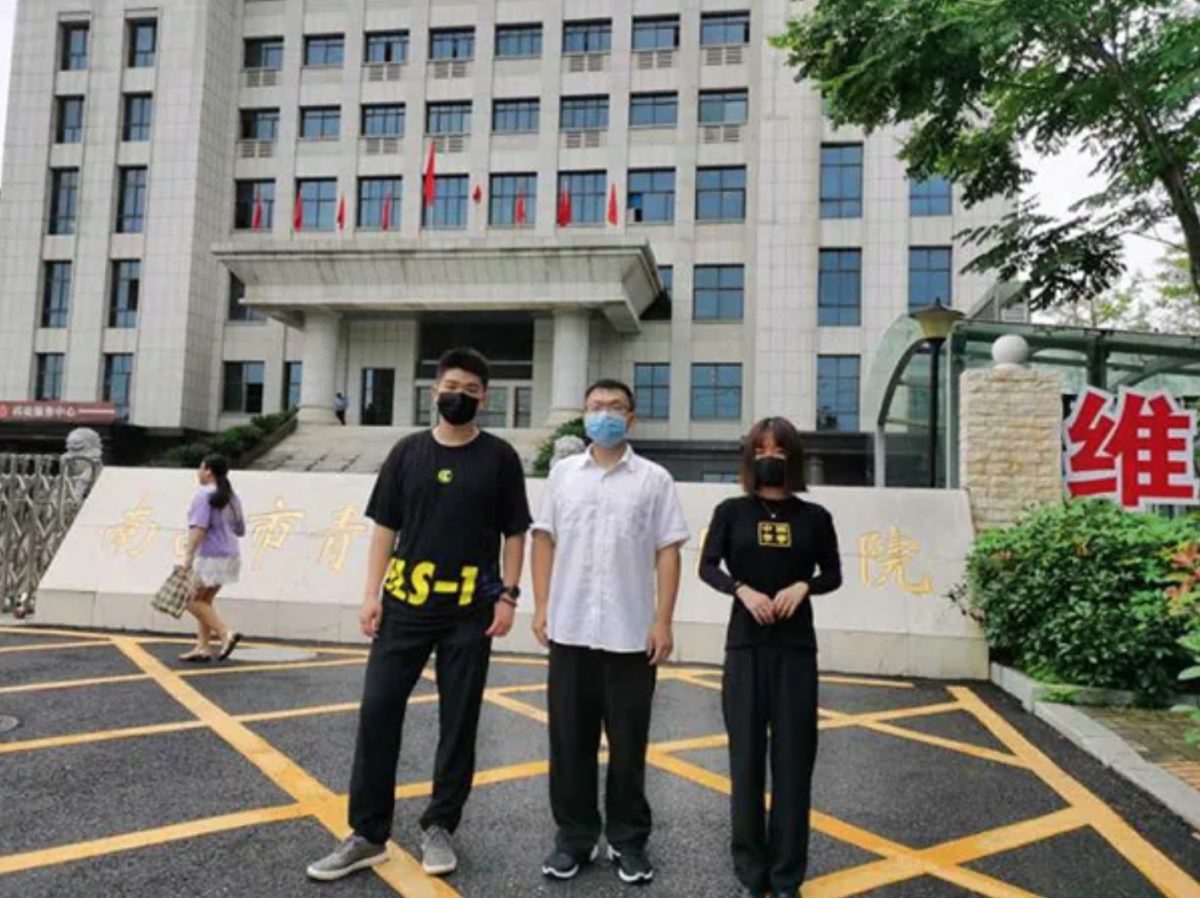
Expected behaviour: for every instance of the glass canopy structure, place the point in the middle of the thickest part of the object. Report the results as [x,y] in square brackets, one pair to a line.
[896,400]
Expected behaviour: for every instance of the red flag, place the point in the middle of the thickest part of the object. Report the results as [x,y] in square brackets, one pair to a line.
[341,214]
[298,213]
[385,219]
[430,187]
[519,211]
[477,196]
[612,204]
[256,220]
[564,208]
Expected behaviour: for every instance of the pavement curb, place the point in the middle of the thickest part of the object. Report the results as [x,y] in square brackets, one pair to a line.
[1103,744]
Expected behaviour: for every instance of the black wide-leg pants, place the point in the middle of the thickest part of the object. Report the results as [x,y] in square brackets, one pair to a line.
[770,701]
[398,655]
[589,689]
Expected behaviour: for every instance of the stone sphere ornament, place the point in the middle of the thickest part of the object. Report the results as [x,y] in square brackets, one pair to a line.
[1010,351]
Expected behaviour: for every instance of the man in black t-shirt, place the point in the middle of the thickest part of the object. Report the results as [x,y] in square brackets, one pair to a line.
[444,502]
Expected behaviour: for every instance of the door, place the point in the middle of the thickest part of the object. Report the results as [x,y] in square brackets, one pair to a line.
[378,391]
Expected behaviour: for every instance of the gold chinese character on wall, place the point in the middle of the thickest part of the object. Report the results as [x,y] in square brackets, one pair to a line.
[269,530]
[347,524]
[887,556]
[133,533]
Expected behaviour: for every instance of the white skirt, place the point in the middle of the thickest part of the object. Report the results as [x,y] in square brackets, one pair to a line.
[217,571]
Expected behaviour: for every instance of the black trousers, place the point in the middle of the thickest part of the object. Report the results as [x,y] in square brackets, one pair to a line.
[589,689]
[398,655]
[770,700]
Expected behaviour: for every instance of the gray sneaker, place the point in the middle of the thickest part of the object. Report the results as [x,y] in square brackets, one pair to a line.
[437,852]
[353,854]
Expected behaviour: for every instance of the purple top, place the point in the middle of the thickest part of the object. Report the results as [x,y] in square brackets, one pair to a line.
[222,527]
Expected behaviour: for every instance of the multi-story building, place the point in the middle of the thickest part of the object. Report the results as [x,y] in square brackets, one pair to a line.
[214,208]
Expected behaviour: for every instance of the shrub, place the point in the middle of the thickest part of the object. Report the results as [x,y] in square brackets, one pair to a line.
[573,428]
[189,455]
[1077,593]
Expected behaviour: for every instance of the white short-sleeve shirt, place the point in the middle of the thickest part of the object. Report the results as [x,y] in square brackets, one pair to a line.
[607,526]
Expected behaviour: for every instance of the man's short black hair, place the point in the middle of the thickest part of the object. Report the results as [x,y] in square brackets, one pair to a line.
[608,383]
[466,359]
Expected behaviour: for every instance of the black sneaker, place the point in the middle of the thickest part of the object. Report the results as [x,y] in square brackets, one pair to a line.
[565,863]
[633,866]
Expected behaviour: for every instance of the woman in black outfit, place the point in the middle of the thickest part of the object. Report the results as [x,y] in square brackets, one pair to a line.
[777,550]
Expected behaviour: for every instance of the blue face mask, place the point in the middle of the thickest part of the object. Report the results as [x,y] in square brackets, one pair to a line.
[605,429]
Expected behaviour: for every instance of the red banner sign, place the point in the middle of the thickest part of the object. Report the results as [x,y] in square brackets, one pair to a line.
[38,412]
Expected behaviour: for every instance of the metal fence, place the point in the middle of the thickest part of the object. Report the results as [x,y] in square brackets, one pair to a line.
[39,498]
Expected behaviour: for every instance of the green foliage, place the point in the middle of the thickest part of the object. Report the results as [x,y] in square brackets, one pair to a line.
[1077,594]
[189,455]
[975,81]
[1191,643]
[233,443]
[541,464]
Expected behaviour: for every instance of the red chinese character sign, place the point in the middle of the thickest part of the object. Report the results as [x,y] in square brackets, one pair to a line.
[1137,449]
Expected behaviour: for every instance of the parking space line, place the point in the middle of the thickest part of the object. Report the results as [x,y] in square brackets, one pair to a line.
[838,720]
[72,684]
[154,729]
[494,776]
[51,646]
[49,631]
[257,644]
[318,710]
[871,722]
[258,668]
[699,677]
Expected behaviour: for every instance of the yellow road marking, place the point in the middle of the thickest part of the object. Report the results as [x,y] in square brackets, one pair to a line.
[516,690]
[401,871]
[496,775]
[155,729]
[50,646]
[837,720]
[698,677]
[317,710]
[49,631]
[871,722]
[717,740]
[1155,866]
[48,857]
[512,704]
[258,644]
[841,680]
[257,668]
[72,684]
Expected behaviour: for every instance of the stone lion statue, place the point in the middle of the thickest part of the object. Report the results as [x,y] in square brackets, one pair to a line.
[83,459]
[564,447]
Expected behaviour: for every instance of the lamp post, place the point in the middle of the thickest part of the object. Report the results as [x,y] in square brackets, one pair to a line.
[936,321]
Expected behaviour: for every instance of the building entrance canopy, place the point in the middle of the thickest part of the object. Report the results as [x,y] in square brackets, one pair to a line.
[619,280]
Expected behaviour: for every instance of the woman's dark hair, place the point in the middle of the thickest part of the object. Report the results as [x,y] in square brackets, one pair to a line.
[219,466]
[787,438]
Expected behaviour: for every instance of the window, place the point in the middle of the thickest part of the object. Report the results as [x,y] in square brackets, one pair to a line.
[656,34]
[74,47]
[263,53]
[118,382]
[260,124]
[452,43]
[383,120]
[243,393]
[56,294]
[68,120]
[718,292]
[503,202]
[318,201]
[839,288]
[237,311]
[721,194]
[660,308]
[379,198]
[516,116]
[716,392]
[143,39]
[293,374]
[131,203]
[448,118]
[320,123]
[523,407]
[841,180]
[139,112]
[49,385]
[325,51]
[587,37]
[386,46]
[724,28]
[585,192]
[723,107]
[518,41]
[64,198]
[124,293]
[837,392]
[449,209]
[929,197]
[584,114]
[654,110]
[929,277]
[651,196]
[254,206]
[652,390]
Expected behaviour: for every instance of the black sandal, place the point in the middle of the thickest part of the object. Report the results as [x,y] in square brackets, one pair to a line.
[196,656]
[227,648]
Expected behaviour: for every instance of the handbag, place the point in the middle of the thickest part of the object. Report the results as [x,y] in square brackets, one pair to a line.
[172,596]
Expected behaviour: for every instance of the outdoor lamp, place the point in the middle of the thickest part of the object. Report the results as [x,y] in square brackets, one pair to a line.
[936,321]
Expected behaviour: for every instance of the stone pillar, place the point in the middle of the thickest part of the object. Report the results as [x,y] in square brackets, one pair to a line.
[1010,437]
[318,378]
[569,372]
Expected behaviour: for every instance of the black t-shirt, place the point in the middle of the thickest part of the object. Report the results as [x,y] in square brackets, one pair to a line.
[450,505]
[768,545]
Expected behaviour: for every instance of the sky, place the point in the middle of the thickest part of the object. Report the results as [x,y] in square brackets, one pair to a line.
[1060,180]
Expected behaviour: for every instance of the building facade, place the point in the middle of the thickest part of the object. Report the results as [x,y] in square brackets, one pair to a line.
[216,208]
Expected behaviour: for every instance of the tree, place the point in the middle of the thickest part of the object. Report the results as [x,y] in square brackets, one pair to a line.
[974,80]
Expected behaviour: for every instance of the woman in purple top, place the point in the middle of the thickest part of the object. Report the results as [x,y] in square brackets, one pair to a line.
[215,522]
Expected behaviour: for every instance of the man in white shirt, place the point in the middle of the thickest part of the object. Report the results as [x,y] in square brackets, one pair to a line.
[609,529]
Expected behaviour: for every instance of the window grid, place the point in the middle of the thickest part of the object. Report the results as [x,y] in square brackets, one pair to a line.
[260,124]
[449,209]
[237,311]
[659,33]
[373,200]
[716,392]
[68,126]
[721,194]
[318,199]
[126,293]
[660,110]
[586,191]
[518,41]
[383,120]
[929,276]
[584,114]
[139,113]
[56,294]
[64,200]
[723,29]
[929,197]
[587,37]
[451,43]
[502,203]
[516,116]
[386,46]
[74,47]
[118,382]
[839,288]
[248,196]
[448,118]
[838,392]
[718,292]
[131,211]
[324,51]
[263,53]
[143,41]
[49,383]
[841,180]
[320,123]
[651,196]
[724,107]
[652,390]
[243,388]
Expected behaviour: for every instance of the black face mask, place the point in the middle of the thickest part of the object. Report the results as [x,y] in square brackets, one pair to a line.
[457,408]
[770,471]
